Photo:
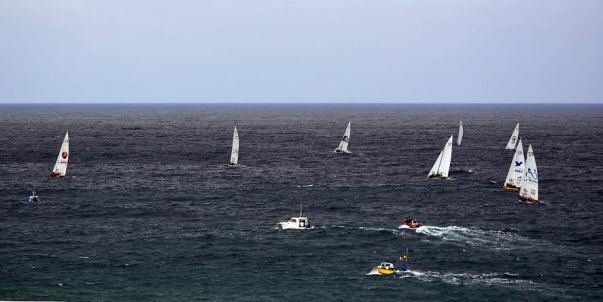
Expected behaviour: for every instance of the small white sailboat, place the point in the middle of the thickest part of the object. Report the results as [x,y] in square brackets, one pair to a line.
[515,174]
[234,153]
[34,199]
[441,167]
[60,167]
[529,185]
[297,223]
[343,145]
[513,140]
[460,137]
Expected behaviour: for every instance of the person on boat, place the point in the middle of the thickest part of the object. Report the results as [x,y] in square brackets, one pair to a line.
[33,197]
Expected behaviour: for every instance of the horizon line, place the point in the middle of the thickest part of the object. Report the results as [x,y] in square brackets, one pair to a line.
[307,103]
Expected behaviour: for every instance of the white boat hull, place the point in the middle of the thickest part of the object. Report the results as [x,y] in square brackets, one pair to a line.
[286,225]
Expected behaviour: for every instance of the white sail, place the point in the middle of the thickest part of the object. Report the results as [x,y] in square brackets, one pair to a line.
[60,167]
[460,137]
[514,138]
[442,164]
[343,145]
[234,154]
[516,170]
[529,185]
[436,165]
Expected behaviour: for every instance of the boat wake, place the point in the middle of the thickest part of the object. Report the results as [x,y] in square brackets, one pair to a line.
[369,229]
[500,279]
[304,186]
[466,278]
[476,237]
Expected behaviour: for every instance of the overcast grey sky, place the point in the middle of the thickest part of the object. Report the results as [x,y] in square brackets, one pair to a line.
[301,51]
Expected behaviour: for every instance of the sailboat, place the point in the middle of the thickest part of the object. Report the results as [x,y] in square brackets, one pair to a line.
[442,165]
[513,139]
[60,167]
[460,137]
[234,153]
[515,174]
[529,185]
[343,145]
[34,199]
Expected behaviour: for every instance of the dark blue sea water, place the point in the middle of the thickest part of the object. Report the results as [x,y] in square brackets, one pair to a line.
[150,212]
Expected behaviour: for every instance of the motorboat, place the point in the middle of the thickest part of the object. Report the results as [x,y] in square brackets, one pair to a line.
[34,198]
[386,269]
[411,223]
[297,223]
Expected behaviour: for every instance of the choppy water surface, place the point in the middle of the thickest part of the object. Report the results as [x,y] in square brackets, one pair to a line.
[149,210]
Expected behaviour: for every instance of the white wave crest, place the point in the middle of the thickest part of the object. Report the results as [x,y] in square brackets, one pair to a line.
[476,237]
[466,278]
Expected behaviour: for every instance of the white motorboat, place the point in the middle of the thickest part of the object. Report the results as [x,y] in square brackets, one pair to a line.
[297,223]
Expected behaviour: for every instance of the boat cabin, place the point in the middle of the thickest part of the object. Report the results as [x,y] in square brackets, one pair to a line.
[301,222]
[386,265]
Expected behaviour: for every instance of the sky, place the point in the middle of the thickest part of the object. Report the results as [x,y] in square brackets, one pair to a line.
[107,51]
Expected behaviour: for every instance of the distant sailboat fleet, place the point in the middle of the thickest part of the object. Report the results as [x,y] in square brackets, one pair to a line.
[522,175]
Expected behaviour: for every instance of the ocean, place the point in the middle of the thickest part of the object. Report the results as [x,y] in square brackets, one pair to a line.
[149,210]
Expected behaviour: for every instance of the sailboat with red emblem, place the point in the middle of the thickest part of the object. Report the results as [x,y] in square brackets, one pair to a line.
[60,167]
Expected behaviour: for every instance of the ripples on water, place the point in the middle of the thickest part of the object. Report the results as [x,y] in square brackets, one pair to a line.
[151,212]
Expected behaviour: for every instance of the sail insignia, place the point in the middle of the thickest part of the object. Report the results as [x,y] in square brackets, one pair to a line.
[514,138]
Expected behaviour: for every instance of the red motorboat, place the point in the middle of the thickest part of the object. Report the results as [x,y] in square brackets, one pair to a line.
[411,222]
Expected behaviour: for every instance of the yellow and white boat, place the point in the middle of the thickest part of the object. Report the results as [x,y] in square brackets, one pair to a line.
[386,269]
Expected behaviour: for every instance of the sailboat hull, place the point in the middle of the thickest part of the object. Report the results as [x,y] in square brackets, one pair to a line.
[437,177]
[511,188]
[56,175]
[529,200]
